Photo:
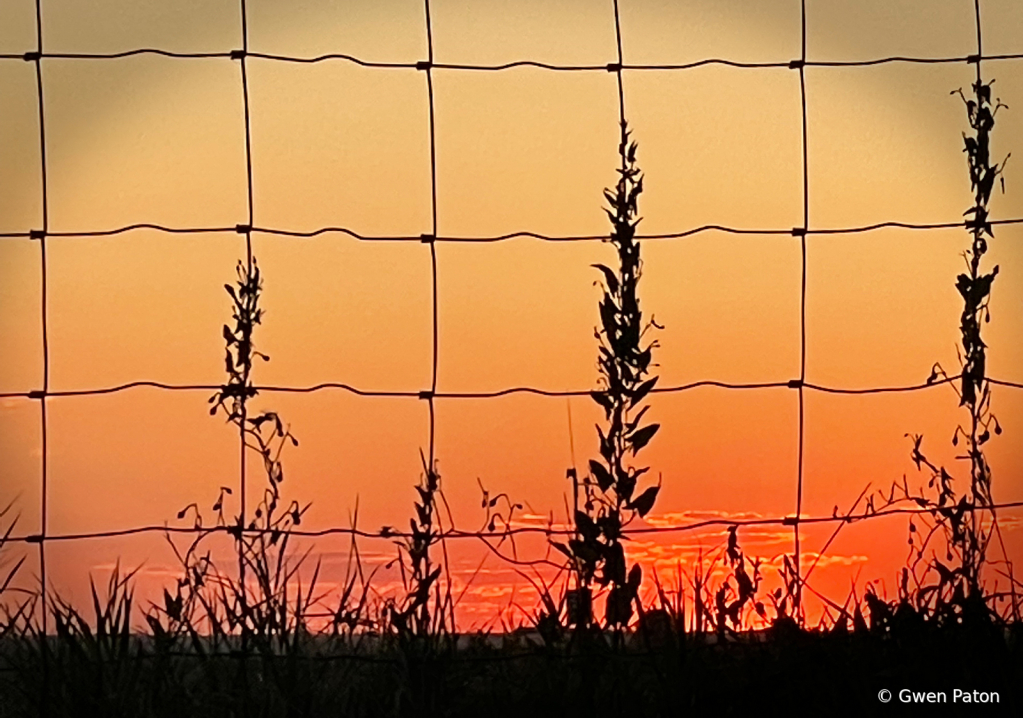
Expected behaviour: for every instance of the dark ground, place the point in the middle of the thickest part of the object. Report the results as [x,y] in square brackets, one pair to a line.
[796,673]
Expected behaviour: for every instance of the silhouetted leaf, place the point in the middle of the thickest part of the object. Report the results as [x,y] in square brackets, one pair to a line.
[601,475]
[603,399]
[610,278]
[608,312]
[586,526]
[642,390]
[643,436]
[562,548]
[635,578]
[645,501]
[733,544]
[583,551]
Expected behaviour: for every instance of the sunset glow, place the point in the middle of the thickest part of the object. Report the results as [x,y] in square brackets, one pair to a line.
[161,140]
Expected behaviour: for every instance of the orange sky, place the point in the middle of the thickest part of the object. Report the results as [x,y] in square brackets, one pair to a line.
[152,139]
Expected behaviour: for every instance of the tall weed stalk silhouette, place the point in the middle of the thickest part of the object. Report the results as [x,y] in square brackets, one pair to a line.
[611,499]
[964,517]
[262,603]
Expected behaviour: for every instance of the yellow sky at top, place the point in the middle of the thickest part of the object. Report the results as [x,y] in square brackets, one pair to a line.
[161,140]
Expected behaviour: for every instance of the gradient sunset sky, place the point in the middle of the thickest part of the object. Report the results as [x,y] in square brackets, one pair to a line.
[161,140]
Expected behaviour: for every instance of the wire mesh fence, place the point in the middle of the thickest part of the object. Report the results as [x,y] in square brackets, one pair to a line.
[430,394]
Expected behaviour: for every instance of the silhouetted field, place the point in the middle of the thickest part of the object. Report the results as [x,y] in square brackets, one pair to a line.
[782,671]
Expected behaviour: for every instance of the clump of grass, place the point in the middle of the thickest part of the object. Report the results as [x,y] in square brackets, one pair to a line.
[14,611]
[610,491]
[726,608]
[99,652]
[87,665]
[661,624]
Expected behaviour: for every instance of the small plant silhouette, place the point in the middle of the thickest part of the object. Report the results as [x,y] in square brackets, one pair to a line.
[729,602]
[420,575]
[610,497]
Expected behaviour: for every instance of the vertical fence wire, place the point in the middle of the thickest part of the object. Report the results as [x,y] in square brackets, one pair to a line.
[980,42]
[801,64]
[44,313]
[431,238]
[618,76]
[241,57]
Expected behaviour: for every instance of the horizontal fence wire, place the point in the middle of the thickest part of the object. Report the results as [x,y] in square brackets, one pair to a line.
[389,533]
[485,239]
[426,395]
[514,64]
